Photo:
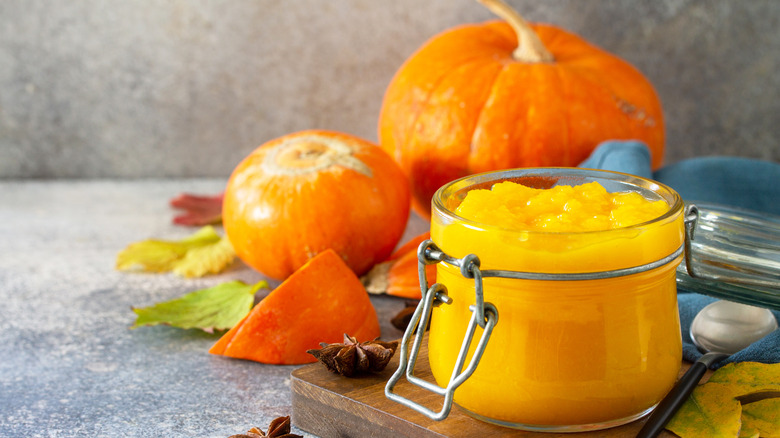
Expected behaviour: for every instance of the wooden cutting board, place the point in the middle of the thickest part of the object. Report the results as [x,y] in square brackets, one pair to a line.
[329,405]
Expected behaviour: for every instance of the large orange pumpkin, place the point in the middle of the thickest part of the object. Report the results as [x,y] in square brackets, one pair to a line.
[472,100]
[301,194]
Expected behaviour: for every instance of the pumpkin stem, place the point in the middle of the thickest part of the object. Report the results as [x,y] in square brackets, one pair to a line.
[311,153]
[529,46]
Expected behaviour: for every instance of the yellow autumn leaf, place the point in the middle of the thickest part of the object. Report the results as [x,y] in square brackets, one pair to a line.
[747,374]
[761,418]
[201,253]
[711,411]
[715,408]
[210,259]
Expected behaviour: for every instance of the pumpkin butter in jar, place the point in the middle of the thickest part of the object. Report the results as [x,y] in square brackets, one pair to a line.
[565,355]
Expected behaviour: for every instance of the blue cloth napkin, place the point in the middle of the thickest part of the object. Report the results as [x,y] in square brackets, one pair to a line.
[738,182]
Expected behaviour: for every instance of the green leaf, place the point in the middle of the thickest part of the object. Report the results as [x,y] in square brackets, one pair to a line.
[216,308]
[201,253]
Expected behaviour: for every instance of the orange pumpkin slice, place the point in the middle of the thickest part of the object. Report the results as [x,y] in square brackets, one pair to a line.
[318,303]
[398,275]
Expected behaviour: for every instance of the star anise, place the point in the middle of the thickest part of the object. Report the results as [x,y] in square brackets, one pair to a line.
[353,357]
[279,428]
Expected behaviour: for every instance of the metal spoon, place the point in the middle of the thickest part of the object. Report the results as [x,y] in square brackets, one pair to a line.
[719,330]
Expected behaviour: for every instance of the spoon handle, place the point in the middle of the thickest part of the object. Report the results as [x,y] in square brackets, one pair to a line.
[678,395]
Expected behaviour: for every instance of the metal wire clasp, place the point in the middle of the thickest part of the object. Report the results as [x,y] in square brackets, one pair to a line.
[483,315]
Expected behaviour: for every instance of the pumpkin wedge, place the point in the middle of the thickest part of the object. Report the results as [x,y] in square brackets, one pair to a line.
[318,303]
[398,274]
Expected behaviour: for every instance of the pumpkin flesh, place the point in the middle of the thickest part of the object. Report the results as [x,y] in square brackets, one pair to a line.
[318,303]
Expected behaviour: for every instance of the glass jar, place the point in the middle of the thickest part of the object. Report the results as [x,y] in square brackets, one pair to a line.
[593,342]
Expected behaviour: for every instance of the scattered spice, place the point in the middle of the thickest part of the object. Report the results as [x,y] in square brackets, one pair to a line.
[401,319]
[279,428]
[352,357]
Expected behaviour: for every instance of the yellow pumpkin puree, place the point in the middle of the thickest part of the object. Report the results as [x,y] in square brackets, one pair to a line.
[563,352]
[587,207]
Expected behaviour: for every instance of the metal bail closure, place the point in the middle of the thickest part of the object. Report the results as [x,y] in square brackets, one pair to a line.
[482,314]
[691,219]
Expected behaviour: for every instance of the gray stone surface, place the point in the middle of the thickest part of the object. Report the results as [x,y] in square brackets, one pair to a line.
[141,88]
[69,364]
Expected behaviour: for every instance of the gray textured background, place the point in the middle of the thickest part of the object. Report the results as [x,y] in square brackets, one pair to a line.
[139,88]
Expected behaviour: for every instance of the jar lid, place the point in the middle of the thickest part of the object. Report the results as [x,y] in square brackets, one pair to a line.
[736,255]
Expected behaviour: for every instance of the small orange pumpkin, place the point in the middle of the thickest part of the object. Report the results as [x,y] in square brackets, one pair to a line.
[507,94]
[301,194]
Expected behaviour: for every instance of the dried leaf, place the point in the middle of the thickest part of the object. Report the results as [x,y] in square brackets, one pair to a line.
[715,408]
[199,254]
[398,275]
[216,308]
[761,418]
[198,209]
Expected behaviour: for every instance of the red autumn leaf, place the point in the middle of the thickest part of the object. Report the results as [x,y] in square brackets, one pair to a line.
[198,210]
